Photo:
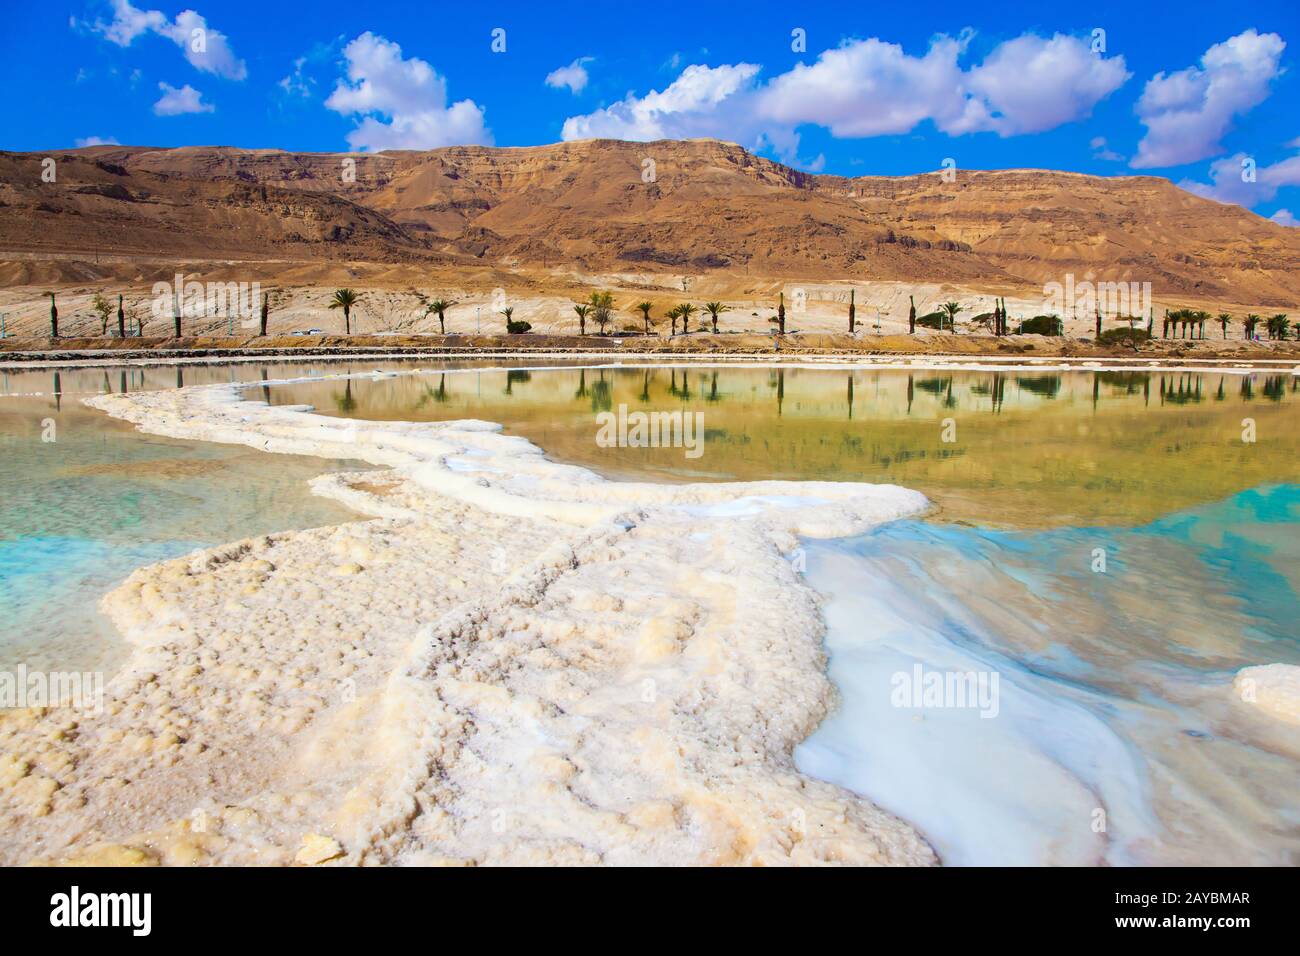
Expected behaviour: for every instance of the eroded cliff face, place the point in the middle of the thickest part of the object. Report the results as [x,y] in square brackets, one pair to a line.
[698,206]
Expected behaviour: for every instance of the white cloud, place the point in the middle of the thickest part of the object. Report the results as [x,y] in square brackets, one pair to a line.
[1228,185]
[872,88]
[1101,151]
[1029,84]
[206,48]
[95,141]
[702,101]
[574,76]
[1187,113]
[1284,217]
[381,85]
[298,83]
[177,102]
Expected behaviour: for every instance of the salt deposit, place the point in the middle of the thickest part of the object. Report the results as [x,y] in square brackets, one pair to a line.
[512,661]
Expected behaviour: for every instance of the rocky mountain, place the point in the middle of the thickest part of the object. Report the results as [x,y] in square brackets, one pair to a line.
[680,208]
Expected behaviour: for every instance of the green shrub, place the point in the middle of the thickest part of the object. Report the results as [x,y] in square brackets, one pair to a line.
[1042,325]
[518,328]
[1124,336]
[933,320]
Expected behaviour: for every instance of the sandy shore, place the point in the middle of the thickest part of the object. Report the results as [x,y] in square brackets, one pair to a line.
[511,661]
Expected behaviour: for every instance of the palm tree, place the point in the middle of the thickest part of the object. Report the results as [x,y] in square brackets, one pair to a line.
[121,319]
[54,317]
[345,299]
[1282,324]
[672,314]
[1201,318]
[686,310]
[645,308]
[780,315]
[602,304]
[1248,326]
[911,315]
[951,308]
[714,309]
[582,311]
[266,309]
[439,308]
[509,313]
[1225,318]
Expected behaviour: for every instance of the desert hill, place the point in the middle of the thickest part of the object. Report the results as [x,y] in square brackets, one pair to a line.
[709,209]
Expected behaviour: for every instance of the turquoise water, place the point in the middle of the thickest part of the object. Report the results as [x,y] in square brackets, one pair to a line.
[88,499]
[1114,685]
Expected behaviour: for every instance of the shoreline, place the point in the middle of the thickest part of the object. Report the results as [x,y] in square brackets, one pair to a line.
[632,692]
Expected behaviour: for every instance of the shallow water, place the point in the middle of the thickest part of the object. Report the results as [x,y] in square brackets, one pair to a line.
[1114,686]
[88,499]
[1028,449]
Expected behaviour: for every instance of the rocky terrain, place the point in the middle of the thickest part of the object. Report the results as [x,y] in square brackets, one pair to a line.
[646,219]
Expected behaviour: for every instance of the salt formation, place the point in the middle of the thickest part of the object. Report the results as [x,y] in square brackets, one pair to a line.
[1273,688]
[513,661]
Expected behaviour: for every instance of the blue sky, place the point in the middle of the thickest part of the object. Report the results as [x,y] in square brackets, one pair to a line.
[1189,91]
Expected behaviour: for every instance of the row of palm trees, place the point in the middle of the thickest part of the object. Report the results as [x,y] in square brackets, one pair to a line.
[600,307]
[1191,324]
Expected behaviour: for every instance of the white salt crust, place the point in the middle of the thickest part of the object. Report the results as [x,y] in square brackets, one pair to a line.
[514,661]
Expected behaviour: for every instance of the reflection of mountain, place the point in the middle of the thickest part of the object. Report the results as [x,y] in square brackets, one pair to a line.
[1042,450]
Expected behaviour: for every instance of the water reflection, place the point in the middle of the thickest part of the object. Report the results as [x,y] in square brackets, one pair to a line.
[1031,450]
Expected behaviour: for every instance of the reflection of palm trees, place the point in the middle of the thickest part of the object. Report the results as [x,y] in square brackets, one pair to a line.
[438,394]
[602,395]
[581,393]
[266,391]
[910,393]
[345,403]
[645,386]
[713,388]
[58,392]
[780,390]
[850,396]
[1247,388]
[516,375]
